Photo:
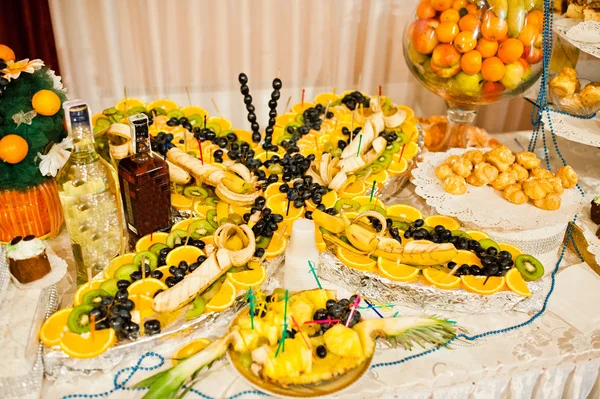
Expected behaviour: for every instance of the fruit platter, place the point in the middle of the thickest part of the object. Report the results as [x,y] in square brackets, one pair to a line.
[302,344]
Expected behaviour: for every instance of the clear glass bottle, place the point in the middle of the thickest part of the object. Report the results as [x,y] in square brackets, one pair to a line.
[144,181]
[88,193]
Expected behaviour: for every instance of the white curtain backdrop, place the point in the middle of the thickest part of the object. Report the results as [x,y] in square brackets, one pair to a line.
[160,48]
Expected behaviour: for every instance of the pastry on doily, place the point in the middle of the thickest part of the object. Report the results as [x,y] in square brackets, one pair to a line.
[501,157]
[455,185]
[528,160]
[504,180]
[557,186]
[475,156]
[521,174]
[451,159]
[565,84]
[27,259]
[462,167]
[541,173]
[567,176]
[590,96]
[549,203]
[515,194]
[483,174]
[595,210]
[537,188]
[443,171]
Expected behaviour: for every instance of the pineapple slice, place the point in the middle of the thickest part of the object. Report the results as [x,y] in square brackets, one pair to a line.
[319,297]
[302,310]
[343,341]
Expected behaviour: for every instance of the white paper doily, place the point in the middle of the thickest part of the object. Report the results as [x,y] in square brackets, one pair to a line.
[58,269]
[484,206]
[583,35]
[584,131]
[589,228]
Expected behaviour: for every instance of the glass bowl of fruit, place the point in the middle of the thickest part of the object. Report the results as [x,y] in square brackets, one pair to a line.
[474,52]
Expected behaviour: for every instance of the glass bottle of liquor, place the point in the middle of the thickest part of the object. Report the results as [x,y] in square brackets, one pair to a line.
[88,191]
[144,181]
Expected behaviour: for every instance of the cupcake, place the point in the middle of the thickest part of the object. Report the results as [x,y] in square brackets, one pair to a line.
[595,211]
[27,259]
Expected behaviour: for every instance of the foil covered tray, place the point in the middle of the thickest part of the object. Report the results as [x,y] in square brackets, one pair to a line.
[427,298]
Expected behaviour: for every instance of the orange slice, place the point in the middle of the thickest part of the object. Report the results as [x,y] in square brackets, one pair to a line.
[410,151]
[240,210]
[83,289]
[84,346]
[187,253]
[300,107]
[366,199]
[251,278]
[398,167]
[354,189]
[183,225]
[194,110]
[396,271]
[440,220]
[404,211]
[167,105]
[466,258]
[200,210]
[223,123]
[116,263]
[147,287]
[244,135]
[165,271]
[146,241]
[180,202]
[55,327]
[325,98]
[475,284]
[284,119]
[189,349]
[516,283]
[222,299]
[477,235]
[441,279]
[127,103]
[514,251]
[272,190]
[328,200]
[276,246]
[208,240]
[278,204]
[321,246]
[378,178]
[355,261]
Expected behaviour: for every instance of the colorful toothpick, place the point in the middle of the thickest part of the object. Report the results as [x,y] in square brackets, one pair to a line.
[354,307]
[303,92]
[372,190]
[329,321]
[252,302]
[373,308]
[297,326]
[281,345]
[359,144]
[313,270]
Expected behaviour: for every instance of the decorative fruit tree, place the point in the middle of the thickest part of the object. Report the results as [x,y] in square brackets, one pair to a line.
[32,147]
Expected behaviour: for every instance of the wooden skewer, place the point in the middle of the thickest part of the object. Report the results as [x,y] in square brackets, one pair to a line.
[187,90]
[93,327]
[143,267]
[215,105]
[285,110]
[280,236]
[454,270]
[89,275]
[334,91]
[125,104]
[303,92]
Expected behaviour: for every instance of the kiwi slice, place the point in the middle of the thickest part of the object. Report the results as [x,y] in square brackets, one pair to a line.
[155,248]
[224,133]
[176,237]
[110,286]
[487,243]
[376,168]
[211,217]
[212,201]
[196,120]
[94,297]
[135,110]
[110,111]
[263,242]
[393,148]
[176,188]
[175,113]
[157,111]
[124,272]
[300,119]
[79,318]
[531,269]
[283,137]
[102,123]
[212,290]
[194,192]
[400,222]
[200,228]
[346,204]
[345,239]
[372,207]
[234,269]
[460,233]
[402,138]
[149,259]
[214,126]
[197,308]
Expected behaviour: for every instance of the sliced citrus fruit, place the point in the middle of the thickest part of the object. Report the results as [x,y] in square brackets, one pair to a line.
[147,286]
[355,261]
[366,200]
[189,349]
[186,253]
[357,188]
[516,283]
[128,103]
[514,251]
[167,105]
[284,119]
[326,98]
[398,167]
[180,202]
[441,279]
[440,220]
[476,284]
[272,190]
[279,204]
[85,346]
[200,210]
[55,327]
[240,210]
[300,107]
[328,200]
[183,225]
[321,246]
[194,110]
[378,178]
[466,258]
[117,262]
[222,299]
[84,288]
[396,271]
[246,279]
[410,150]
[208,240]
[277,245]
[222,122]
[477,235]
[146,241]
[404,211]
[142,310]
[244,135]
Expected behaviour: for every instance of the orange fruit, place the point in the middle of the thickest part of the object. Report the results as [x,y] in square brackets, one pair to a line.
[187,253]
[510,50]
[273,189]
[514,251]
[458,4]
[13,148]
[143,310]
[194,110]
[477,235]
[358,187]
[86,346]
[529,35]
[469,23]
[167,105]
[466,258]
[249,278]
[222,299]
[46,102]
[447,31]
[147,241]
[180,202]
[396,271]
[491,89]
[189,349]
[440,220]
[465,41]
[300,107]
[487,48]
[441,5]
[147,287]
[165,271]
[425,10]
[55,327]
[516,283]
[493,28]
[404,211]
[493,69]
[535,18]
[277,245]
[476,284]
[117,262]
[278,204]
[441,279]
[85,288]
[398,167]
[126,104]
[473,10]
[450,15]
[471,62]
[355,261]
[7,54]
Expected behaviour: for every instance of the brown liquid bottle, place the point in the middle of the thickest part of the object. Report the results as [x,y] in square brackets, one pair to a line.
[145,187]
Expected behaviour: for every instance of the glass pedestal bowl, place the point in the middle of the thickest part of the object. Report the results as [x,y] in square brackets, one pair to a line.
[472,53]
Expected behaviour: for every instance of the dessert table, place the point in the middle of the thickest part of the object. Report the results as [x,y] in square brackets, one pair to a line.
[552,356]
